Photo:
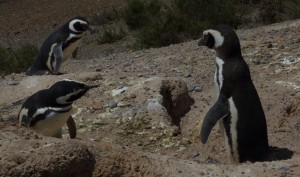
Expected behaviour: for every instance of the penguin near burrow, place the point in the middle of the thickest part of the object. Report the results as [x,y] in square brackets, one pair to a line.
[60,46]
[48,110]
[238,108]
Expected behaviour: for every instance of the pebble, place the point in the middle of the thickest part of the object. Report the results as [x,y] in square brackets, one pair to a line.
[112,105]
[284,168]
[195,154]
[97,105]
[121,104]
[188,75]
[197,89]
[118,91]
[13,83]
[213,161]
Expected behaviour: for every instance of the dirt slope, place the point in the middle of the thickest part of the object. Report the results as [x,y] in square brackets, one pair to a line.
[124,126]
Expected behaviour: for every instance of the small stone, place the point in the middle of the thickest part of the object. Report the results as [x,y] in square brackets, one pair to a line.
[97,105]
[191,88]
[270,45]
[132,96]
[118,91]
[121,104]
[182,148]
[284,168]
[256,61]
[112,105]
[188,75]
[13,82]
[213,161]
[197,89]
[195,154]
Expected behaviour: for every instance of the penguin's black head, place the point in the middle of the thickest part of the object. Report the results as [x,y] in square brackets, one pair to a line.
[223,39]
[79,25]
[67,91]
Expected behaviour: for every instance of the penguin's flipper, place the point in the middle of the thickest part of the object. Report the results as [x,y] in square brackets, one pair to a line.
[72,127]
[218,111]
[58,55]
[74,54]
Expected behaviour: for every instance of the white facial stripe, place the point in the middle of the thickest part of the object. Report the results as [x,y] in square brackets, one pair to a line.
[233,131]
[71,24]
[49,65]
[219,39]
[63,99]
[73,36]
[69,80]
[43,110]
[23,112]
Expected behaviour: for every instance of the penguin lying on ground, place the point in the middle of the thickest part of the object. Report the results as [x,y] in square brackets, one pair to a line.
[59,47]
[238,108]
[48,110]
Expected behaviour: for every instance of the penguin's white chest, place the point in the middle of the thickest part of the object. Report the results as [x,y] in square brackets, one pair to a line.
[67,52]
[53,124]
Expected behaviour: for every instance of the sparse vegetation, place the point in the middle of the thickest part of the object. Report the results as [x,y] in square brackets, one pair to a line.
[159,24]
[272,11]
[16,60]
[110,36]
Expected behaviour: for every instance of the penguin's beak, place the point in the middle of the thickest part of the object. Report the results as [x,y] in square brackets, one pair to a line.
[92,86]
[202,41]
[92,29]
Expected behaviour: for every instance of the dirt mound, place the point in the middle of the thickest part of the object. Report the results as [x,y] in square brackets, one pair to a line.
[25,153]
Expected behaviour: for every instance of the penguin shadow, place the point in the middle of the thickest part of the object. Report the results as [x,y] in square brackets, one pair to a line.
[277,153]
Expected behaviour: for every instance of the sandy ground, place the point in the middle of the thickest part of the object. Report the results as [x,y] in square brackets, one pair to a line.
[124,128]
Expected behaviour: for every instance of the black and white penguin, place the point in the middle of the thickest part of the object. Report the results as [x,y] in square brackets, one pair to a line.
[59,47]
[48,110]
[238,108]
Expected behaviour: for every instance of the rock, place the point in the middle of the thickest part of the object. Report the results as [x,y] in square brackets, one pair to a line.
[112,105]
[195,154]
[43,157]
[188,75]
[13,83]
[176,99]
[284,168]
[121,104]
[116,92]
[197,89]
[213,161]
[97,105]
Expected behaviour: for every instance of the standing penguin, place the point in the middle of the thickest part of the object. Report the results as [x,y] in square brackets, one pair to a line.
[238,108]
[47,111]
[59,47]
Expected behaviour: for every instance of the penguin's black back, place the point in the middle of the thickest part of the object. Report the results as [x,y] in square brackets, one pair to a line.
[251,125]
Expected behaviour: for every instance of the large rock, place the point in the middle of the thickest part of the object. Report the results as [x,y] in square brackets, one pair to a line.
[176,99]
[27,154]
